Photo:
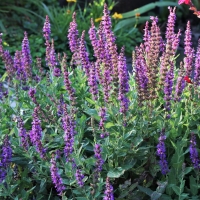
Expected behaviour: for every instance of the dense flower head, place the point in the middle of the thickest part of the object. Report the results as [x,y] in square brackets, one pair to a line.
[79,178]
[92,82]
[109,191]
[84,56]
[23,134]
[52,56]
[5,157]
[9,63]
[56,178]
[197,66]
[123,82]
[73,34]
[69,132]
[31,93]
[26,55]
[99,160]
[193,152]
[56,72]
[36,134]
[161,152]
[47,29]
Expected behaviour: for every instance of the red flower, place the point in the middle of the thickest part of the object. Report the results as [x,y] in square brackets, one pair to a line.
[187,79]
[187,2]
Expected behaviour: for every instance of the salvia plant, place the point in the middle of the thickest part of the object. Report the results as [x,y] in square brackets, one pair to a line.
[89,129]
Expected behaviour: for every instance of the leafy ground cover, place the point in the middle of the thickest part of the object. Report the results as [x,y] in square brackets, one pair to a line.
[90,130]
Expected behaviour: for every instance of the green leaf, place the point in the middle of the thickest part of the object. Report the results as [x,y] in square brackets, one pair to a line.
[193,186]
[145,190]
[176,189]
[116,173]
[148,7]
[155,195]
[109,124]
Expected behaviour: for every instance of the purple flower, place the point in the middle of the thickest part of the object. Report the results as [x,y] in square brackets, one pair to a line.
[5,158]
[36,134]
[84,56]
[99,160]
[193,152]
[60,106]
[47,29]
[56,178]
[69,132]
[109,191]
[56,72]
[23,134]
[26,56]
[73,35]
[52,56]
[9,63]
[18,66]
[123,83]
[146,37]
[110,44]
[92,82]
[31,93]
[102,115]
[197,66]
[79,177]
[189,51]
[161,152]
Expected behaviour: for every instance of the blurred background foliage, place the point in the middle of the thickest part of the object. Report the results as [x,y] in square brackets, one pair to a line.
[17,16]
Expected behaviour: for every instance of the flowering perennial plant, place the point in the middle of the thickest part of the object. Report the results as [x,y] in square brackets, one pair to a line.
[93,124]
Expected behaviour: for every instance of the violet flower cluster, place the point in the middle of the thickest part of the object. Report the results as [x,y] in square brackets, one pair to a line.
[102,114]
[99,160]
[69,132]
[161,152]
[56,178]
[31,93]
[46,34]
[123,83]
[79,178]
[193,152]
[5,158]
[109,191]
[26,56]
[36,134]
[23,134]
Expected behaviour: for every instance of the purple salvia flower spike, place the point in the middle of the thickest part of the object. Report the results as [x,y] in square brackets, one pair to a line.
[123,83]
[5,158]
[53,61]
[188,51]
[73,35]
[31,94]
[23,134]
[161,152]
[56,178]
[197,66]
[26,56]
[92,82]
[47,29]
[79,178]
[36,134]
[84,56]
[194,153]
[110,44]
[168,88]
[99,161]
[109,191]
